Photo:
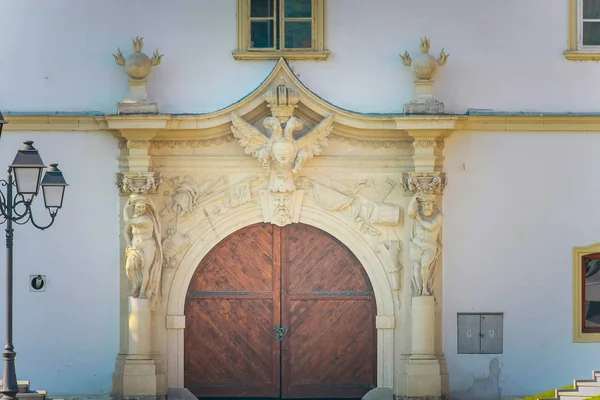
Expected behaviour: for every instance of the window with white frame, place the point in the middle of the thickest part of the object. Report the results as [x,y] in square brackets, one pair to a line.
[270,29]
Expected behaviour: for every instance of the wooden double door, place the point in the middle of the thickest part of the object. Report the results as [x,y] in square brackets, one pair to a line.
[283,313]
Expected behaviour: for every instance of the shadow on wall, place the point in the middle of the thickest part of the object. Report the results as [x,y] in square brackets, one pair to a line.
[484,388]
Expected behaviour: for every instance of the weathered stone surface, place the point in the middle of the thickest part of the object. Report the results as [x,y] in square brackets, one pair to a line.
[379,393]
[416,107]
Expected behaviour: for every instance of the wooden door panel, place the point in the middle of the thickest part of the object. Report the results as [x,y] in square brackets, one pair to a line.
[329,308]
[320,263]
[263,276]
[331,357]
[232,304]
[229,355]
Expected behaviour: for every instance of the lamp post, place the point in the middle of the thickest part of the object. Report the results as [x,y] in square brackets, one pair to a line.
[24,175]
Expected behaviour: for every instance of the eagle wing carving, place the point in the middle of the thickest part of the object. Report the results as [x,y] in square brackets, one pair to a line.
[313,142]
[251,139]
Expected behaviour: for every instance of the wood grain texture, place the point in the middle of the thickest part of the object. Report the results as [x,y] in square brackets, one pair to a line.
[228,340]
[329,306]
[296,276]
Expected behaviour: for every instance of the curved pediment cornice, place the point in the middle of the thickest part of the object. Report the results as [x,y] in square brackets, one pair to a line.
[311,107]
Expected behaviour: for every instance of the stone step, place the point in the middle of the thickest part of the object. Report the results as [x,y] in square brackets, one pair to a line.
[571,395]
[589,388]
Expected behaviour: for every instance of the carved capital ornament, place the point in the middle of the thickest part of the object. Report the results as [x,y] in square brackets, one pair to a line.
[424,182]
[137,183]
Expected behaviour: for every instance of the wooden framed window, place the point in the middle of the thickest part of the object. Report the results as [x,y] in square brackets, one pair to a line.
[270,29]
[586,293]
[584,30]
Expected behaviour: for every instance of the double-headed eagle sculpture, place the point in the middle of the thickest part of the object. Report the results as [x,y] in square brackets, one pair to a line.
[280,152]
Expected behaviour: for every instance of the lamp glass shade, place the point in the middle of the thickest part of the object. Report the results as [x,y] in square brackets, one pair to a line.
[28,167]
[53,188]
[53,196]
[28,180]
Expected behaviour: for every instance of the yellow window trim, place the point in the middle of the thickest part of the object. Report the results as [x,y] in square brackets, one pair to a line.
[243,52]
[574,53]
[578,335]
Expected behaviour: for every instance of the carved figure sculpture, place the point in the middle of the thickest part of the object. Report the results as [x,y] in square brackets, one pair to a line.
[425,245]
[281,153]
[143,255]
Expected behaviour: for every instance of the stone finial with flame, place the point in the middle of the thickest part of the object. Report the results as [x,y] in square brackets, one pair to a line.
[138,65]
[425,65]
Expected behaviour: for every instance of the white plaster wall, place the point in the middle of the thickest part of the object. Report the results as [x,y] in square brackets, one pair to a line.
[66,338]
[513,213]
[505,55]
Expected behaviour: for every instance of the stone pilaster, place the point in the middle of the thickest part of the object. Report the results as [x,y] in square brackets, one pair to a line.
[136,369]
[425,374]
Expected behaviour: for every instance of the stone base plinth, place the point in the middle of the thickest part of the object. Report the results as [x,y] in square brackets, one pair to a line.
[139,378]
[418,107]
[135,379]
[138,101]
[137,108]
[423,379]
[424,101]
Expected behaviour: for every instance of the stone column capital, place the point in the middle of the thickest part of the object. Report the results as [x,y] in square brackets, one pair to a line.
[137,182]
[424,182]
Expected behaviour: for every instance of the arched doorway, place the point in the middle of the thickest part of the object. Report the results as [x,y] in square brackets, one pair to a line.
[280,312]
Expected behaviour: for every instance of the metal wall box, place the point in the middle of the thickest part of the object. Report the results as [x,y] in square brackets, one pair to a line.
[480,333]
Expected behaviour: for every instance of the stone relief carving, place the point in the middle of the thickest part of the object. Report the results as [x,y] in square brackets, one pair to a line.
[347,200]
[194,144]
[137,182]
[280,152]
[281,208]
[428,144]
[187,194]
[391,255]
[215,196]
[174,245]
[373,144]
[237,195]
[143,253]
[425,245]
[138,144]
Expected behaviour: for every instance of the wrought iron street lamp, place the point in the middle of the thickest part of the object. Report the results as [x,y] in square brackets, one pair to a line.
[24,175]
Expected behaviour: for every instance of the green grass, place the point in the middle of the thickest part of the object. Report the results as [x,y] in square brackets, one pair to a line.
[550,394]
[594,398]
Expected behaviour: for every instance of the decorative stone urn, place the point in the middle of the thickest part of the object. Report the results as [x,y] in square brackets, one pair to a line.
[424,67]
[138,66]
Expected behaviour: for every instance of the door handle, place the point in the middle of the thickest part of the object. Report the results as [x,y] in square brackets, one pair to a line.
[280,332]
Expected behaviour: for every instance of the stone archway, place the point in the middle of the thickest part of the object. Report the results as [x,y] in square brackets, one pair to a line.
[352,239]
